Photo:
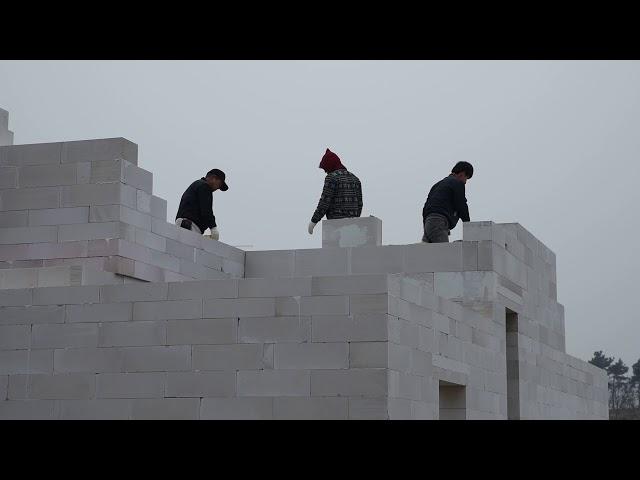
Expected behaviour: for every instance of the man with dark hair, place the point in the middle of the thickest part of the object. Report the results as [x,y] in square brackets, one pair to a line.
[195,212]
[446,204]
[342,193]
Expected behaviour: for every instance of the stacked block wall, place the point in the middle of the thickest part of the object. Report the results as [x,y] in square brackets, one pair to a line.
[496,263]
[88,203]
[295,348]
[346,347]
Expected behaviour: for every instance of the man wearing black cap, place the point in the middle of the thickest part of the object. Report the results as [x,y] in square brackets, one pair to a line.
[195,212]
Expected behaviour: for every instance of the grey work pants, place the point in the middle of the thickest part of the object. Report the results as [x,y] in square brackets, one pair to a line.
[436,229]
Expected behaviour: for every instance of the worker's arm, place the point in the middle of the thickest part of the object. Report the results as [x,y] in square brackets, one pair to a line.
[206,210]
[326,198]
[460,202]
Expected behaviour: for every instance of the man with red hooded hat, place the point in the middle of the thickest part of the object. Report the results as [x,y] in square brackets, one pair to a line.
[342,193]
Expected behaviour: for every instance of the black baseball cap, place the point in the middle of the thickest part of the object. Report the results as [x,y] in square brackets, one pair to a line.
[220,174]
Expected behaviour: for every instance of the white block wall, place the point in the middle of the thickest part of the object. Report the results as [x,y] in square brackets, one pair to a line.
[343,347]
[78,201]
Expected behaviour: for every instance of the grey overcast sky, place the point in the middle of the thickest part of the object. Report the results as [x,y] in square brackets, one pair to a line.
[555,146]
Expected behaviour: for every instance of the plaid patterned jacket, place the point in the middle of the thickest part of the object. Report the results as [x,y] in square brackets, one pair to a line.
[341,196]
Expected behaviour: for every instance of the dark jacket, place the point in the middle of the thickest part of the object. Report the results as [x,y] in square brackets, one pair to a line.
[196,205]
[341,196]
[447,198]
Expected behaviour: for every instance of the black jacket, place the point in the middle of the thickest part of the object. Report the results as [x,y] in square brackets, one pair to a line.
[447,198]
[196,205]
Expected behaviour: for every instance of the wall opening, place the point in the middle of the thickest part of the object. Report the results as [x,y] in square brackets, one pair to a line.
[513,370]
[453,401]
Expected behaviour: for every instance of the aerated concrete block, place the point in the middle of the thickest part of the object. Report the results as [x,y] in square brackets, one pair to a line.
[231,357]
[362,408]
[16,235]
[151,240]
[120,213]
[166,409]
[30,198]
[27,410]
[321,262]
[180,250]
[99,312]
[46,175]
[83,172]
[66,295]
[14,337]
[33,154]
[208,260]
[158,207]
[94,409]
[273,383]
[6,138]
[433,257]
[241,307]
[351,232]
[4,385]
[362,381]
[310,356]
[347,285]
[270,264]
[137,177]
[4,119]
[91,360]
[62,386]
[17,362]
[359,328]
[244,408]
[233,268]
[202,332]
[99,150]
[368,304]
[58,216]
[130,385]
[19,278]
[44,251]
[318,408]
[8,177]
[169,310]
[64,335]
[210,289]
[201,384]
[91,194]
[31,314]
[274,329]
[143,201]
[89,231]
[132,334]
[19,218]
[157,359]
[274,287]
[369,354]
[382,259]
[143,292]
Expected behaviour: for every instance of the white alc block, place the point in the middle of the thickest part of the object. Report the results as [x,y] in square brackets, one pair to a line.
[352,232]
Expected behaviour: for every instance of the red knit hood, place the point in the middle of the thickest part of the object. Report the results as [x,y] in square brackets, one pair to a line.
[331,162]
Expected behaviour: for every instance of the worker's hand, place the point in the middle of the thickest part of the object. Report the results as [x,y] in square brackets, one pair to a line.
[311,227]
[214,233]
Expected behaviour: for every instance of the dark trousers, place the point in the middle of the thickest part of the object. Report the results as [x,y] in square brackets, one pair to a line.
[436,229]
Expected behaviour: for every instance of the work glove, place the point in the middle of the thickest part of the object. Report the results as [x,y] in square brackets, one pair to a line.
[214,233]
[311,227]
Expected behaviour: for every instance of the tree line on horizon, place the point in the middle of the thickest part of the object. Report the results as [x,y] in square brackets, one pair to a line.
[624,386]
